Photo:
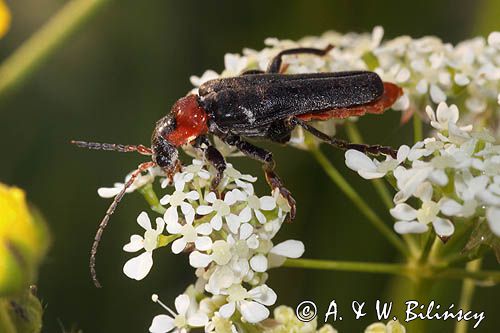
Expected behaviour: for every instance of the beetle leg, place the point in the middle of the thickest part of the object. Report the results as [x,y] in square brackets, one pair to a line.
[275,65]
[215,158]
[266,157]
[252,71]
[370,149]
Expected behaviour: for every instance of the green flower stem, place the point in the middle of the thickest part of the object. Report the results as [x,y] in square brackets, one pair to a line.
[6,324]
[377,222]
[409,271]
[355,136]
[466,295]
[151,198]
[417,128]
[42,44]
[426,250]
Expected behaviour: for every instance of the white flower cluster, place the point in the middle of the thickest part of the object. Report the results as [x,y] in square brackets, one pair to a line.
[228,236]
[428,70]
[455,174]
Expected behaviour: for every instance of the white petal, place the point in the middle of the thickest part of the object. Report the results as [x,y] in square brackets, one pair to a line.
[267,203]
[253,312]
[137,268]
[253,242]
[160,225]
[171,215]
[178,245]
[437,95]
[174,228]
[413,227]
[193,195]
[199,260]
[259,263]
[450,207]
[143,221]
[493,216]
[233,222]
[371,175]
[246,214]
[211,197]
[439,177]
[198,319]
[260,217]
[204,210]
[403,152]
[356,160]
[165,200]
[162,324]
[203,243]
[227,310]
[443,227]
[204,229]
[188,212]
[290,248]
[430,113]
[230,198]
[108,192]
[136,243]
[246,230]
[263,294]
[404,212]
[216,222]
[182,304]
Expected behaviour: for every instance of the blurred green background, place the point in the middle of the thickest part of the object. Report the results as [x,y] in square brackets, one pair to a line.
[120,73]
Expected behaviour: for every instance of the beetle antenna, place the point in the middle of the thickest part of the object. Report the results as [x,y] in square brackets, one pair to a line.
[111,209]
[113,146]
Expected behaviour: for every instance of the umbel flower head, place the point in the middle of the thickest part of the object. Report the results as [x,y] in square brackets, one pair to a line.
[454,175]
[226,235]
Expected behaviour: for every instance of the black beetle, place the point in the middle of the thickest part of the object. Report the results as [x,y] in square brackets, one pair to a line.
[256,104]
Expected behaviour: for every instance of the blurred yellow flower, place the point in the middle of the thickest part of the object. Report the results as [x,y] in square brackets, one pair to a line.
[23,241]
[4,18]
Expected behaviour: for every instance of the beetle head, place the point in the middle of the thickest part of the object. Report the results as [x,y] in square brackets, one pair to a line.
[165,153]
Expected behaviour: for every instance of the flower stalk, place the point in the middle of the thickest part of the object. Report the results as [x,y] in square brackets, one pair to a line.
[409,271]
[366,210]
[45,41]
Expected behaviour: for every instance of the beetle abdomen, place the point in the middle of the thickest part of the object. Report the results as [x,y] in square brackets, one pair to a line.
[257,100]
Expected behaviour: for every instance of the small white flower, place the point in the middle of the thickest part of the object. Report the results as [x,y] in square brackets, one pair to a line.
[410,218]
[242,181]
[179,199]
[197,235]
[222,208]
[257,205]
[187,316]
[443,116]
[251,304]
[140,181]
[138,267]
[371,168]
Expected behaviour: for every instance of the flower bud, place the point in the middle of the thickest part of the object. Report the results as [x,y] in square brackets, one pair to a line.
[23,241]
[4,18]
